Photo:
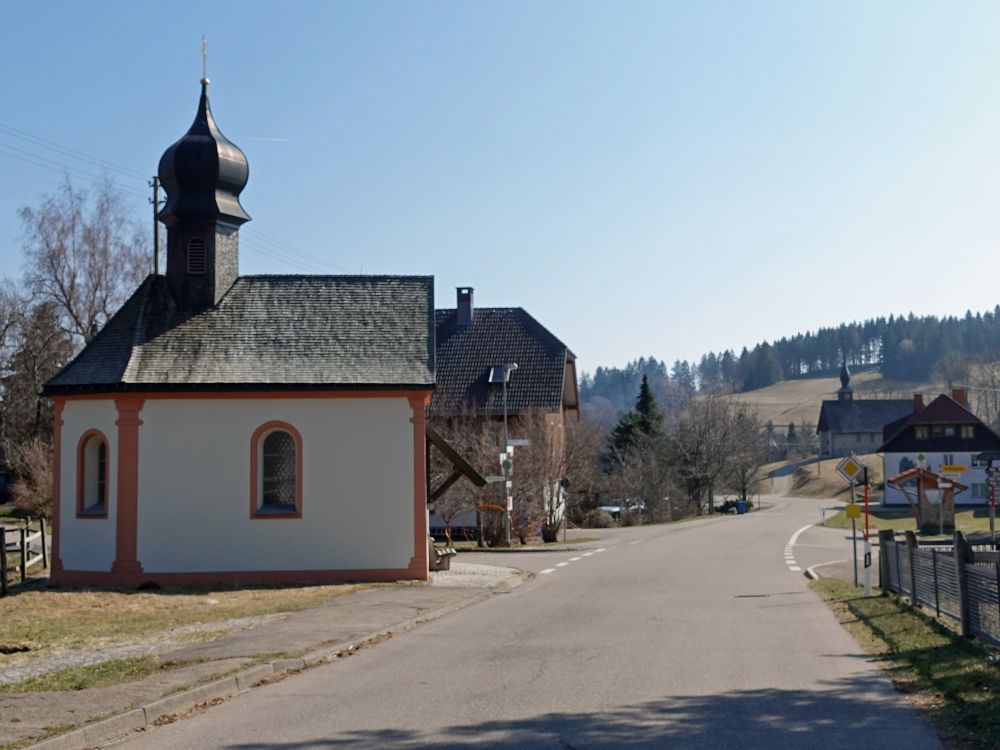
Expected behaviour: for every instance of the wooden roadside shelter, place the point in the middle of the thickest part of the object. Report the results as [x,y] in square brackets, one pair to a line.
[933,502]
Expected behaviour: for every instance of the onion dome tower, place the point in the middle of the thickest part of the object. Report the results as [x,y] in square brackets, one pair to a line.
[203,175]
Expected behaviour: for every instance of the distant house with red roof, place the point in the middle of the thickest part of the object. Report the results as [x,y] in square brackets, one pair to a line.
[944,433]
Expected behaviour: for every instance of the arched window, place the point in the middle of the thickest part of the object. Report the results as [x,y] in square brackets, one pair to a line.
[92,476]
[197,260]
[276,462]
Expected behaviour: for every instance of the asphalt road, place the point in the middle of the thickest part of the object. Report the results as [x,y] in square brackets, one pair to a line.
[697,635]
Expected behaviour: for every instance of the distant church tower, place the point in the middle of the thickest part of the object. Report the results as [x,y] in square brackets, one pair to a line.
[203,175]
[845,392]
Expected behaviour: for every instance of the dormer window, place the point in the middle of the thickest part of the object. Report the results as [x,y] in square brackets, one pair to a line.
[967,432]
[937,431]
[949,431]
[197,256]
[920,432]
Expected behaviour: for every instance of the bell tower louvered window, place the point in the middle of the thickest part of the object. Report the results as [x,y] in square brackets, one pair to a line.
[197,256]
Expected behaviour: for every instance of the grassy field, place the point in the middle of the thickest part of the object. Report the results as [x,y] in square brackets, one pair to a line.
[822,480]
[799,400]
[953,682]
[971,521]
[46,621]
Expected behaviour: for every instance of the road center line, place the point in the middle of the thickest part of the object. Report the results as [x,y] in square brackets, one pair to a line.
[602,549]
[547,570]
[586,554]
[574,559]
[562,564]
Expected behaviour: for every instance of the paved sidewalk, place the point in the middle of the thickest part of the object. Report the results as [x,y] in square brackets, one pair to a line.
[267,647]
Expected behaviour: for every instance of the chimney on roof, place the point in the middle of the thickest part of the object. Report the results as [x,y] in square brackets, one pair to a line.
[465,308]
[918,402]
[958,396]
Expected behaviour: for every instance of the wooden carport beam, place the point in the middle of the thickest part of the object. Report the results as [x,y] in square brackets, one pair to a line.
[462,467]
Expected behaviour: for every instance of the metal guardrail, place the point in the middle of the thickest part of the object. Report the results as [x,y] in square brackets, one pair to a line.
[959,581]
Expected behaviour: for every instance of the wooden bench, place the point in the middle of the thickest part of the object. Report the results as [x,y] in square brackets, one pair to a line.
[439,558]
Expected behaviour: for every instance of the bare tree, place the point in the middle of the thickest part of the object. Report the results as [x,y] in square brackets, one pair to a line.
[35,349]
[747,450]
[31,462]
[84,254]
[699,448]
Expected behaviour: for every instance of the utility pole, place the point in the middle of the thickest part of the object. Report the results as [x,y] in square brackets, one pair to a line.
[155,200]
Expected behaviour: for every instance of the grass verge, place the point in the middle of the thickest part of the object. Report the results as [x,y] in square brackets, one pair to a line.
[954,682]
[113,672]
[970,521]
[41,621]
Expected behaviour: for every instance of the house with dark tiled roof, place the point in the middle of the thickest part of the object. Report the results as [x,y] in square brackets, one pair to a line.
[243,428]
[471,343]
[848,425]
[943,437]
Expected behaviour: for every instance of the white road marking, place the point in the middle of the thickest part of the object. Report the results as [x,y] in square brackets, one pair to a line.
[602,549]
[795,536]
[586,554]
[574,559]
[547,570]
[790,551]
[562,564]
[635,542]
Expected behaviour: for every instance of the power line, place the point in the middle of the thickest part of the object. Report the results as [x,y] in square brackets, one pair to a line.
[259,242]
[255,246]
[278,244]
[55,166]
[23,135]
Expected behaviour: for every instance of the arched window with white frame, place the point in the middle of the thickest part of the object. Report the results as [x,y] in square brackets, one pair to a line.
[276,468]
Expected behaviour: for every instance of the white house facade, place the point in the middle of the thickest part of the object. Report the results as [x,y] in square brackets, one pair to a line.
[941,434]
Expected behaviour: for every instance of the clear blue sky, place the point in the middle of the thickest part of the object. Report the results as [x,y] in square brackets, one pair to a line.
[658,178]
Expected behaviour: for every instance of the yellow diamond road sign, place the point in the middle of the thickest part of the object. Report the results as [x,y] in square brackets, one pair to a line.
[850,469]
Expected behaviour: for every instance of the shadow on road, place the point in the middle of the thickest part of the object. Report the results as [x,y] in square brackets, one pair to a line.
[853,714]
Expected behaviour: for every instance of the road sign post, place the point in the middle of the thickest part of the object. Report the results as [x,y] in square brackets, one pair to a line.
[850,469]
[868,544]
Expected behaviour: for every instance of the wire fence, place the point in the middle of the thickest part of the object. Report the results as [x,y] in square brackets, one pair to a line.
[960,580]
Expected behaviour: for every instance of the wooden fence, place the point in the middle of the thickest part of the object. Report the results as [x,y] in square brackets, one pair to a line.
[17,543]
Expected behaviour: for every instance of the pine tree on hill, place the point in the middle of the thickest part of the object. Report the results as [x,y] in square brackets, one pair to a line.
[645,420]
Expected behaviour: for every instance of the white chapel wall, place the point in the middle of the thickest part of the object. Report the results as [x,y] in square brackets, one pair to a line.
[86,543]
[194,486]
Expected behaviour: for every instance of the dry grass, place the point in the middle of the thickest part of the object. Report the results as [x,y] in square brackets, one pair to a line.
[51,621]
[970,521]
[799,400]
[822,480]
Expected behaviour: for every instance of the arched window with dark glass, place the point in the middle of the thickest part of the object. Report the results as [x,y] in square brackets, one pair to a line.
[277,462]
[92,475]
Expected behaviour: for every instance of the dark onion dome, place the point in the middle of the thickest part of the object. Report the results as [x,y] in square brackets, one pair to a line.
[845,375]
[203,173]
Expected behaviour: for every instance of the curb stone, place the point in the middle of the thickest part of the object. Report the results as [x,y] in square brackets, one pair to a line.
[121,725]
